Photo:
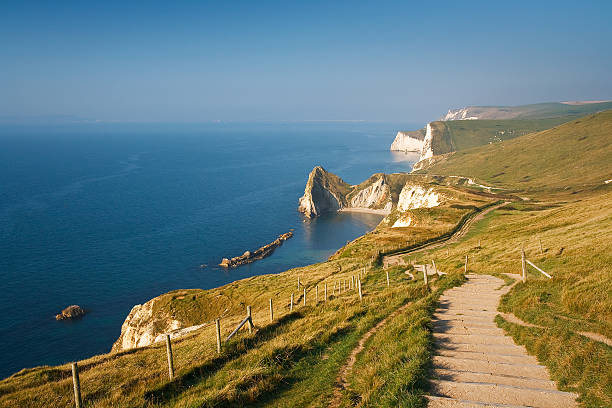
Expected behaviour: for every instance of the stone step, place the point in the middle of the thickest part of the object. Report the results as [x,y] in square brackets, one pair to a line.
[508,349]
[463,364]
[482,314]
[500,394]
[491,357]
[470,330]
[471,376]
[471,338]
[457,322]
[445,402]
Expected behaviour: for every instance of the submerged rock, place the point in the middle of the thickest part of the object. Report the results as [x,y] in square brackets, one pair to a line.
[70,312]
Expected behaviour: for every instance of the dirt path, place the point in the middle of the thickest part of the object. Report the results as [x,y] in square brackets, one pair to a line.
[342,379]
[476,364]
[396,259]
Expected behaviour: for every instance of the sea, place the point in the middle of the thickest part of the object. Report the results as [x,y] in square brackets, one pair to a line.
[110,215]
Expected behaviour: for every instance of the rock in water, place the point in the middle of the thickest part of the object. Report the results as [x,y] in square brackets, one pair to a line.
[70,312]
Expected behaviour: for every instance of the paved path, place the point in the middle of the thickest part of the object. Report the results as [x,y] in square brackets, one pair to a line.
[476,364]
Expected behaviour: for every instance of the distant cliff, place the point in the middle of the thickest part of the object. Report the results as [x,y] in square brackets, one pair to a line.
[411,141]
[381,194]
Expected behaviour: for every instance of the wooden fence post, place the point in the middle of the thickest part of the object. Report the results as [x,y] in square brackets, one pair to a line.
[360,295]
[326,291]
[218,330]
[291,304]
[317,294]
[76,383]
[250,319]
[479,246]
[434,266]
[304,296]
[271,312]
[352,282]
[541,249]
[425,274]
[169,354]
[523,267]
[466,264]
[298,283]
[387,278]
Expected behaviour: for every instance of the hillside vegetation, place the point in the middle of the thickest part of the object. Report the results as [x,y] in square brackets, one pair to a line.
[575,155]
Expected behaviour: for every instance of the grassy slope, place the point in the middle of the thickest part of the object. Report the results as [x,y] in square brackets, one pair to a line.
[563,170]
[574,155]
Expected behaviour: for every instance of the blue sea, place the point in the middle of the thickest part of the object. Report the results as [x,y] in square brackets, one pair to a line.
[107,216]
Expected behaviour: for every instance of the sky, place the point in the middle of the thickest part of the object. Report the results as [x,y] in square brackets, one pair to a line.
[293,61]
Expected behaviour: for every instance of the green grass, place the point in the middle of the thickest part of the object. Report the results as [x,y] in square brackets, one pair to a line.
[572,157]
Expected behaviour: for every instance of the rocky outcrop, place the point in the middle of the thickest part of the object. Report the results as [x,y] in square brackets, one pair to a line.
[324,193]
[403,220]
[415,196]
[376,195]
[71,312]
[260,253]
[408,141]
[142,326]
[176,313]
[461,114]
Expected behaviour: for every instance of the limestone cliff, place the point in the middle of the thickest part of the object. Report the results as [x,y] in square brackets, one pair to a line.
[175,313]
[324,192]
[408,141]
[416,196]
[376,195]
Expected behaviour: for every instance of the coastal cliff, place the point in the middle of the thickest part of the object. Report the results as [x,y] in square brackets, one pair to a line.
[176,313]
[379,194]
[411,141]
[324,192]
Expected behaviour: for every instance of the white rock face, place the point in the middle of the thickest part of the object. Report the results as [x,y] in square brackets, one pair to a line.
[427,150]
[415,196]
[403,142]
[403,221]
[141,328]
[372,196]
[178,333]
[459,114]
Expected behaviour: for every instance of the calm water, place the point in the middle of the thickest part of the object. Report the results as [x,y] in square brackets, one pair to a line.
[109,216]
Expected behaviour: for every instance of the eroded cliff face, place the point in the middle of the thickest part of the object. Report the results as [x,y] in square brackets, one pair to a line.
[176,313]
[408,141]
[324,192]
[416,196]
[142,326]
[376,196]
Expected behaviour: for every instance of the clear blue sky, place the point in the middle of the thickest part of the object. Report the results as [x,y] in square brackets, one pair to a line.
[260,60]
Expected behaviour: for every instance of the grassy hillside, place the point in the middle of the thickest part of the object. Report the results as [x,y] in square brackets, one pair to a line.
[575,155]
[537,111]
[464,134]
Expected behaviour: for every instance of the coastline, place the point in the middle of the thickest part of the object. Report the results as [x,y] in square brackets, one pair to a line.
[365,210]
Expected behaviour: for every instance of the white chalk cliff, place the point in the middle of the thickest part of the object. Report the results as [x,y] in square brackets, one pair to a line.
[376,195]
[460,114]
[407,142]
[416,196]
[142,326]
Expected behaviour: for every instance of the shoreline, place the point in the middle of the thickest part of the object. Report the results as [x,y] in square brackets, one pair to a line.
[365,210]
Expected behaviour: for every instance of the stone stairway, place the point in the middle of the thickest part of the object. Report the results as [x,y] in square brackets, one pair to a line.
[476,364]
